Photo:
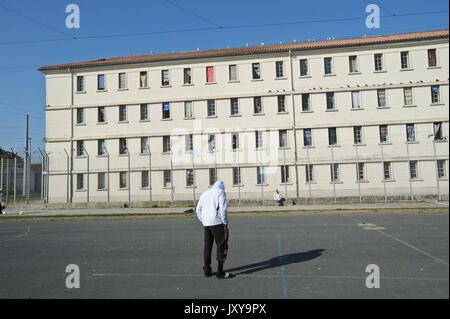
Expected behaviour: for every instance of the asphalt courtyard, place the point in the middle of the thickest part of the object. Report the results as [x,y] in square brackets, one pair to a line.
[277,257]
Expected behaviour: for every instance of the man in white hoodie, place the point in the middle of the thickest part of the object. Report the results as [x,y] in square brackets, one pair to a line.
[212,213]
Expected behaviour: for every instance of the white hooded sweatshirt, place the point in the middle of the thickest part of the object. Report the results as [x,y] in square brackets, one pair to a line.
[212,206]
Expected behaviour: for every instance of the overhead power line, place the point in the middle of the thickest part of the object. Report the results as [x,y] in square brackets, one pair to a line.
[36,21]
[192,13]
[216,28]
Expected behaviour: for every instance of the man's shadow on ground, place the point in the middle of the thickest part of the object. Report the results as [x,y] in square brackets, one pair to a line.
[277,262]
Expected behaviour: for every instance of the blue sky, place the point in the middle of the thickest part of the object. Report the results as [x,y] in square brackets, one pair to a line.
[22,87]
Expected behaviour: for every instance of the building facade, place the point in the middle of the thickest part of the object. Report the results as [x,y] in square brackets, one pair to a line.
[343,119]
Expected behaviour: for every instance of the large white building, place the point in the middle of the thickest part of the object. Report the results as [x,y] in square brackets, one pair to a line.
[318,120]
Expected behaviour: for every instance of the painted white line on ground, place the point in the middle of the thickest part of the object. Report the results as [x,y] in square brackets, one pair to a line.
[269,276]
[413,247]
[18,236]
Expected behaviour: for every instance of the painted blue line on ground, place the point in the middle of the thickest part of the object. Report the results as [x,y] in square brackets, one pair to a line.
[283,278]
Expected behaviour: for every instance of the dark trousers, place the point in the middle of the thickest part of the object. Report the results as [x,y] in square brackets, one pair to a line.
[219,233]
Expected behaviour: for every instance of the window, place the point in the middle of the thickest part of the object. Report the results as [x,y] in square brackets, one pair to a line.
[328,66]
[234,106]
[145,145]
[441,169]
[122,146]
[279,69]
[353,64]
[381,96]
[257,105]
[101,82]
[236,176]
[167,176]
[404,59]
[360,171]
[101,148]
[408,96]
[80,182]
[259,139]
[122,81]
[432,58]
[307,137]
[187,75]
[384,134]
[212,176]
[210,74]
[410,133]
[80,148]
[144,112]
[413,174]
[189,177]
[188,110]
[437,129]
[211,107]
[282,134]
[304,67]
[357,135]
[334,172]
[232,72]
[101,115]
[284,174]
[309,173]
[261,178]
[281,99]
[235,141]
[189,142]
[356,100]
[80,116]
[332,136]
[435,94]
[166,110]
[165,78]
[166,144]
[122,113]
[330,101]
[143,81]
[122,179]
[256,71]
[306,102]
[387,171]
[101,181]
[211,142]
[80,83]
[145,179]
[378,62]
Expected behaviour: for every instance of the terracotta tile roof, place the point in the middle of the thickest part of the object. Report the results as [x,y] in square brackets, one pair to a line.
[256,49]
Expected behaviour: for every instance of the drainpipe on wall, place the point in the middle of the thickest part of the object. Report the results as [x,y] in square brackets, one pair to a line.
[293,125]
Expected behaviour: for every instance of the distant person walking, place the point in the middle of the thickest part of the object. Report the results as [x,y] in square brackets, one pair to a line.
[212,213]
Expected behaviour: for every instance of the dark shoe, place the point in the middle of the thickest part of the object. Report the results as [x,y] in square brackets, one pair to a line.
[207,272]
[224,275]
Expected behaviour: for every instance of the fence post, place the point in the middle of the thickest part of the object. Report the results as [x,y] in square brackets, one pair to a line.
[382,167]
[409,172]
[7,180]
[150,174]
[332,174]
[87,176]
[171,178]
[357,173]
[437,170]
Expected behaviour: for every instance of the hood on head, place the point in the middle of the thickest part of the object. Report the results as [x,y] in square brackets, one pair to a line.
[219,185]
